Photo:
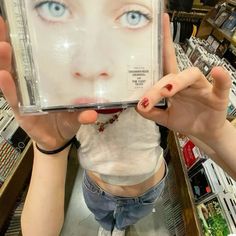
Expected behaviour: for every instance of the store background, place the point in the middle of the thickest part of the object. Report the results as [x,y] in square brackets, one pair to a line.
[204,201]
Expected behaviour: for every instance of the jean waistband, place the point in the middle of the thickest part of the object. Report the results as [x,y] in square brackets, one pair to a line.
[99,190]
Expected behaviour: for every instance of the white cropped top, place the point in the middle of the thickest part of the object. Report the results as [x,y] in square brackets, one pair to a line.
[127,152]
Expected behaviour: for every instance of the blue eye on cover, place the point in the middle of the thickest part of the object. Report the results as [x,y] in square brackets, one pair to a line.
[134,17]
[56,9]
[53,11]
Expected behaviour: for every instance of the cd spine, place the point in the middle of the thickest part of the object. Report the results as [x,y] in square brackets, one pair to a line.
[23,64]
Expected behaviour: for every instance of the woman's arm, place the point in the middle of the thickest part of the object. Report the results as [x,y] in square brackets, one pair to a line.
[222,149]
[196,108]
[44,208]
[43,212]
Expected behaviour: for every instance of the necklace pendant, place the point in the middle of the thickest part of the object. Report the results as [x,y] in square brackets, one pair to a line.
[101,129]
[102,125]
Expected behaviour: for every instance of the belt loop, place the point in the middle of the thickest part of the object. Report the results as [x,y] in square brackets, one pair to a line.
[137,199]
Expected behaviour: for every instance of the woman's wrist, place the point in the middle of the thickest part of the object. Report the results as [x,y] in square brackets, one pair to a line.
[72,141]
[56,149]
[220,137]
[63,153]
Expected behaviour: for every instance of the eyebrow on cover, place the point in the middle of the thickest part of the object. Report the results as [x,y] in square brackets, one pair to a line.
[71,4]
[141,2]
[120,3]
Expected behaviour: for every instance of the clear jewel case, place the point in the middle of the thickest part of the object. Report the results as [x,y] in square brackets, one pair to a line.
[78,54]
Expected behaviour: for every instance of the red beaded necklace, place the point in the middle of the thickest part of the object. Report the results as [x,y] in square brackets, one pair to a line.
[101,126]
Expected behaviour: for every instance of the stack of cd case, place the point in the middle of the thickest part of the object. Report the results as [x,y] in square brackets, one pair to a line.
[78,54]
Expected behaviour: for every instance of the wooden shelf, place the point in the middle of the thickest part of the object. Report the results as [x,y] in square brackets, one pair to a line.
[232,2]
[197,7]
[194,14]
[208,26]
[221,32]
[12,187]
[190,216]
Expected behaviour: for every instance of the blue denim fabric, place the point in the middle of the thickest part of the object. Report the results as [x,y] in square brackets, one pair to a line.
[113,211]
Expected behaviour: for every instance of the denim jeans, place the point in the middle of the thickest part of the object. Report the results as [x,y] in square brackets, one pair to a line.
[113,211]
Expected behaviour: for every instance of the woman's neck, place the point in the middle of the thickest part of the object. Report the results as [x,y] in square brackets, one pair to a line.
[109,111]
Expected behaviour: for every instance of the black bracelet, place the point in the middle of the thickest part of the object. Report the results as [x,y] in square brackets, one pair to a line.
[72,141]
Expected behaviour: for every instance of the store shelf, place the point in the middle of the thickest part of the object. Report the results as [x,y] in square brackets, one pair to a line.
[232,2]
[13,185]
[195,14]
[203,8]
[190,216]
[221,32]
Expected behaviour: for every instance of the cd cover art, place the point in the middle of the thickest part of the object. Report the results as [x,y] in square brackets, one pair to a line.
[74,54]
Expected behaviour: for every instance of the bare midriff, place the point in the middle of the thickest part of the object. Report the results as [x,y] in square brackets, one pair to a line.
[131,190]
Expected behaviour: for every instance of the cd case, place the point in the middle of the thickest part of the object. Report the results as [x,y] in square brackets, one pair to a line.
[80,54]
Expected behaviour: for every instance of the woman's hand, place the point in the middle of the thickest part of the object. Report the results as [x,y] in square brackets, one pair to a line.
[195,107]
[49,131]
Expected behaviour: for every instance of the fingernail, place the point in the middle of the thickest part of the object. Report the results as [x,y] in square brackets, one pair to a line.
[169,87]
[144,103]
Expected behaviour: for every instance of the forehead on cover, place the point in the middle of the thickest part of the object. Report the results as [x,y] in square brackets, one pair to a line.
[111,2]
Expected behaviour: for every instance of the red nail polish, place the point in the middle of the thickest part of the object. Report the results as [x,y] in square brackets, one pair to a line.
[169,87]
[145,103]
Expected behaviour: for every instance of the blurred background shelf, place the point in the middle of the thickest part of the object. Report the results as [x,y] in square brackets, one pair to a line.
[14,184]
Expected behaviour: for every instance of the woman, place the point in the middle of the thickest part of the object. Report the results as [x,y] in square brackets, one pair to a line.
[196,108]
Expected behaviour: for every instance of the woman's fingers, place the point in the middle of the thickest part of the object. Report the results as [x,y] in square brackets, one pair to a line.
[87,117]
[170,62]
[221,82]
[188,84]
[157,115]
[8,88]
[3,30]
[68,123]
[168,86]
[5,56]
[5,48]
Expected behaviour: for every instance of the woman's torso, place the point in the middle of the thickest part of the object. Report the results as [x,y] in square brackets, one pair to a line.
[127,154]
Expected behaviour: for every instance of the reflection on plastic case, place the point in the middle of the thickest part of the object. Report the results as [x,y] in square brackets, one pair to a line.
[68,56]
